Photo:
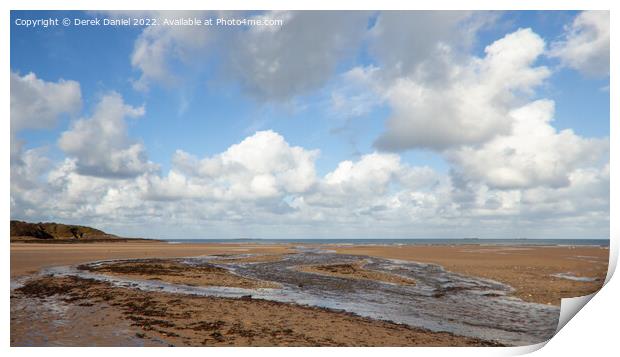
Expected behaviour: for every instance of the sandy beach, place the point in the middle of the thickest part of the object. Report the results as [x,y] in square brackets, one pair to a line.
[27,258]
[166,319]
[120,312]
[529,270]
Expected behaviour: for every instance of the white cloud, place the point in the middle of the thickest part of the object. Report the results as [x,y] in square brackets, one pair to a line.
[472,104]
[421,44]
[158,47]
[37,104]
[404,40]
[356,92]
[586,44]
[280,62]
[532,154]
[378,189]
[76,197]
[354,185]
[511,172]
[587,191]
[27,168]
[273,63]
[100,144]
[263,186]
[371,174]
[261,166]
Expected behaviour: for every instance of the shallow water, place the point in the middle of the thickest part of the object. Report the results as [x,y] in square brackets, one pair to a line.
[569,276]
[439,301]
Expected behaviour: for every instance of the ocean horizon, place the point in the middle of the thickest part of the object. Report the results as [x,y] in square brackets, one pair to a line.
[405,241]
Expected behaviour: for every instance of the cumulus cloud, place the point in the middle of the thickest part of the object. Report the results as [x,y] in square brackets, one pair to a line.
[370,174]
[587,190]
[27,168]
[532,154]
[276,63]
[471,105]
[100,143]
[586,44]
[264,185]
[272,63]
[158,47]
[424,44]
[403,40]
[263,165]
[376,190]
[511,173]
[37,104]
[352,183]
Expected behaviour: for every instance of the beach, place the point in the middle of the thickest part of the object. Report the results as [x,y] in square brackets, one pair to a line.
[242,294]
[528,269]
[28,258]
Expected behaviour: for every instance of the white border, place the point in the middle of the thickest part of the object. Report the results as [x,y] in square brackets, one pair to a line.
[592,332]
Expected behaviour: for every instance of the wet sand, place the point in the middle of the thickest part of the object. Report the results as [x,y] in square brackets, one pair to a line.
[28,258]
[258,258]
[356,271]
[174,272]
[158,318]
[439,301]
[89,310]
[528,269]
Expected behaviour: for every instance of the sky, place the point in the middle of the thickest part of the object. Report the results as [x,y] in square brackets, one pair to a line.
[395,124]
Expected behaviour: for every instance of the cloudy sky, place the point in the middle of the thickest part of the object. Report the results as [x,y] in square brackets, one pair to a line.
[333,125]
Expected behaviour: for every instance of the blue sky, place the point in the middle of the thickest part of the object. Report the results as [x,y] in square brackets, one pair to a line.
[213,105]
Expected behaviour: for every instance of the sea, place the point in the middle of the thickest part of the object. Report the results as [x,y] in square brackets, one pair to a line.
[416,241]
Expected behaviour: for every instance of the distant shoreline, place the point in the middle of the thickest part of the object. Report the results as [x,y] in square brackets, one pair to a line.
[524,242]
[403,241]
